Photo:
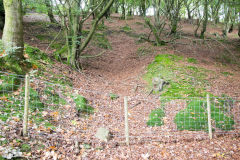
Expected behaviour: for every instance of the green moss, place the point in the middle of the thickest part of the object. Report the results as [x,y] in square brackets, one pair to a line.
[82,105]
[25,148]
[35,55]
[156,117]
[195,117]
[185,81]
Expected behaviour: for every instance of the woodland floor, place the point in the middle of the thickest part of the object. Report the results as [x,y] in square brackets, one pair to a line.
[119,70]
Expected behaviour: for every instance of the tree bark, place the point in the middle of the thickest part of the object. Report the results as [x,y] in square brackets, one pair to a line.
[50,12]
[2,15]
[205,21]
[13,29]
[239,25]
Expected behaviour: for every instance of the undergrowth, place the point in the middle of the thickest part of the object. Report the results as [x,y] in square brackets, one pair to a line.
[186,81]
[195,117]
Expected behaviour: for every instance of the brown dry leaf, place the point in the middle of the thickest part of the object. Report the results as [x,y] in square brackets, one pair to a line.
[34,66]
[4,98]
[16,119]
[52,148]
[54,114]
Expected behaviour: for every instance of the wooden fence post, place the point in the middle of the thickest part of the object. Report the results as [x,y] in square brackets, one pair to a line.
[126,120]
[26,105]
[209,117]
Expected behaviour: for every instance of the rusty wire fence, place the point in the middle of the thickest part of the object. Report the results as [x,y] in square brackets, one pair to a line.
[61,113]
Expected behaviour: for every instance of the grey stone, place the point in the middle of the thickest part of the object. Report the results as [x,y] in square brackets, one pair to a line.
[103,134]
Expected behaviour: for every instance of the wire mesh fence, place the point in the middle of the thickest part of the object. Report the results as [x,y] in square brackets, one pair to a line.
[62,114]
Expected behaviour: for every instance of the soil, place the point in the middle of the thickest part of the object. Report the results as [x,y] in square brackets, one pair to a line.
[119,71]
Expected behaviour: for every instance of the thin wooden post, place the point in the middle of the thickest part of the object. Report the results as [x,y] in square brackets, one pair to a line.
[26,105]
[126,120]
[209,117]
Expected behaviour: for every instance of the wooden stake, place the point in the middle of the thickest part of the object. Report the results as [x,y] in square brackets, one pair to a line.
[209,117]
[126,120]
[26,106]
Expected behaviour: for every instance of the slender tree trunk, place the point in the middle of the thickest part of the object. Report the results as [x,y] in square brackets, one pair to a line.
[13,29]
[2,15]
[49,10]
[239,25]
[143,8]
[226,23]
[205,21]
[123,10]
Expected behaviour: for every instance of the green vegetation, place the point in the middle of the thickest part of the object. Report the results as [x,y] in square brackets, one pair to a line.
[82,105]
[142,51]
[25,148]
[156,118]
[227,74]
[185,81]
[192,60]
[195,118]
[113,96]
[126,28]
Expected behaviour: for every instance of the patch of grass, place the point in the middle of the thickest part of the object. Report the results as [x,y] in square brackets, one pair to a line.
[9,82]
[156,118]
[52,97]
[227,74]
[126,28]
[192,60]
[14,104]
[195,117]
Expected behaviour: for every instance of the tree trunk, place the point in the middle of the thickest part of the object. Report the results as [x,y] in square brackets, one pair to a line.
[123,10]
[239,25]
[143,8]
[13,29]
[2,15]
[50,12]
[205,21]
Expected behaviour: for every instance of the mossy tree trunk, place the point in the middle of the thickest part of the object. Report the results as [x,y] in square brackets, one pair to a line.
[205,19]
[13,29]
[143,8]
[48,4]
[123,10]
